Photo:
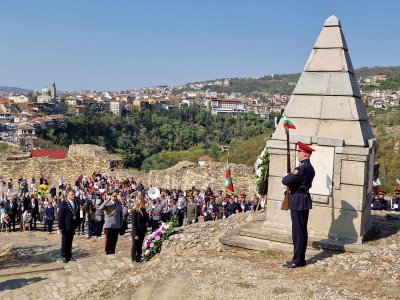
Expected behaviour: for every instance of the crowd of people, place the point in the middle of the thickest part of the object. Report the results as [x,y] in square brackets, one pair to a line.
[99,205]
[104,205]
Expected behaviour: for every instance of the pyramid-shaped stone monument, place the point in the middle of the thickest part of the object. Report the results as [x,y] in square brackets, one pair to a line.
[329,115]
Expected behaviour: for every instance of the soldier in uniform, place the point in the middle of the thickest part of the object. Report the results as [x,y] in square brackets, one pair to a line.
[299,183]
[395,202]
[375,204]
[112,221]
[382,200]
[232,207]
[68,218]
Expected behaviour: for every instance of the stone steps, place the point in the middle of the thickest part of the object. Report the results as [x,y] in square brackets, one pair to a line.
[235,239]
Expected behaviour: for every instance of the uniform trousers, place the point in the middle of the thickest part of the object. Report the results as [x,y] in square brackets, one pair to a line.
[111,239]
[299,235]
[66,243]
[137,248]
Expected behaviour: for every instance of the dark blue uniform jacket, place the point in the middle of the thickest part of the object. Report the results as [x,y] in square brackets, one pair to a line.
[299,183]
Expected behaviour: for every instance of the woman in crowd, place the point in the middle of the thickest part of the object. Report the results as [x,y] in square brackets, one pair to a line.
[139,228]
[156,214]
[3,217]
[124,218]
[99,216]
[173,209]
[49,215]
[82,216]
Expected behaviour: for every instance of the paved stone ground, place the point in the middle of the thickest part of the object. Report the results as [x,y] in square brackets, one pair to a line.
[33,269]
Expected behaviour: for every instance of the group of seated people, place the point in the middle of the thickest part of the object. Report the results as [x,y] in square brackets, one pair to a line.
[380,203]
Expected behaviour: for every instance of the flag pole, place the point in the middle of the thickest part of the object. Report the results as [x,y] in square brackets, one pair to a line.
[288,169]
[285,202]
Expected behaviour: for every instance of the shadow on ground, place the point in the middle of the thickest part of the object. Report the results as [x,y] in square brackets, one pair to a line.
[13,284]
[31,255]
[383,226]
[324,254]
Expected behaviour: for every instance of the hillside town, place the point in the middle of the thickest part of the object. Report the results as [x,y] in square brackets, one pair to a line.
[24,115]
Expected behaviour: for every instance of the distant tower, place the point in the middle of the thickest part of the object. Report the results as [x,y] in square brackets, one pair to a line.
[53,91]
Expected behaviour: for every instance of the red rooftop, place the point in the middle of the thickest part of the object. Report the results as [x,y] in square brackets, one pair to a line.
[50,153]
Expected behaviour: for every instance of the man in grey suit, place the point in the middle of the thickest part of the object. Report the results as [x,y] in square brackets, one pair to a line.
[191,211]
[113,219]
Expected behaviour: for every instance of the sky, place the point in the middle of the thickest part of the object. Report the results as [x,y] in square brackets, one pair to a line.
[125,44]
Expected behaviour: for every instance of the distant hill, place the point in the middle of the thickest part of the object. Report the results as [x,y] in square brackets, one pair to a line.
[14,89]
[391,72]
[285,83]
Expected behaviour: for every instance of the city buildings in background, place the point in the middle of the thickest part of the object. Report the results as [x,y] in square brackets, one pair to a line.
[27,114]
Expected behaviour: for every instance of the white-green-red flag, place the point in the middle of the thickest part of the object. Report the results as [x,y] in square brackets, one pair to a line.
[288,124]
[229,183]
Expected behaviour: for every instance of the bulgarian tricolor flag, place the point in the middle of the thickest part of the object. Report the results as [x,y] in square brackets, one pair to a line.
[229,182]
[288,124]
[398,182]
[376,183]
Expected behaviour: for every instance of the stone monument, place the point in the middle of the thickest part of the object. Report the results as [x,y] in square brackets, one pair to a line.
[327,109]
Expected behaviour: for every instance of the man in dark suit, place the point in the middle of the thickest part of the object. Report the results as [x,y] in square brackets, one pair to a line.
[299,183]
[33,209]
[13,212]
[68,220]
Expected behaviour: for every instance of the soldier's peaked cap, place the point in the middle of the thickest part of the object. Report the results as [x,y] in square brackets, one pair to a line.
[305,148]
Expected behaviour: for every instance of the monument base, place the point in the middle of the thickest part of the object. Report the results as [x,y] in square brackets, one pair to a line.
[255,236]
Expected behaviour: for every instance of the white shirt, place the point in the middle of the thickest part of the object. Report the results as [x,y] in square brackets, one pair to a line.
[72,204]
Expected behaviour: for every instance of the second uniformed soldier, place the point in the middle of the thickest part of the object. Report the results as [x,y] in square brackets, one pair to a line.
[382,200]
[395,202]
